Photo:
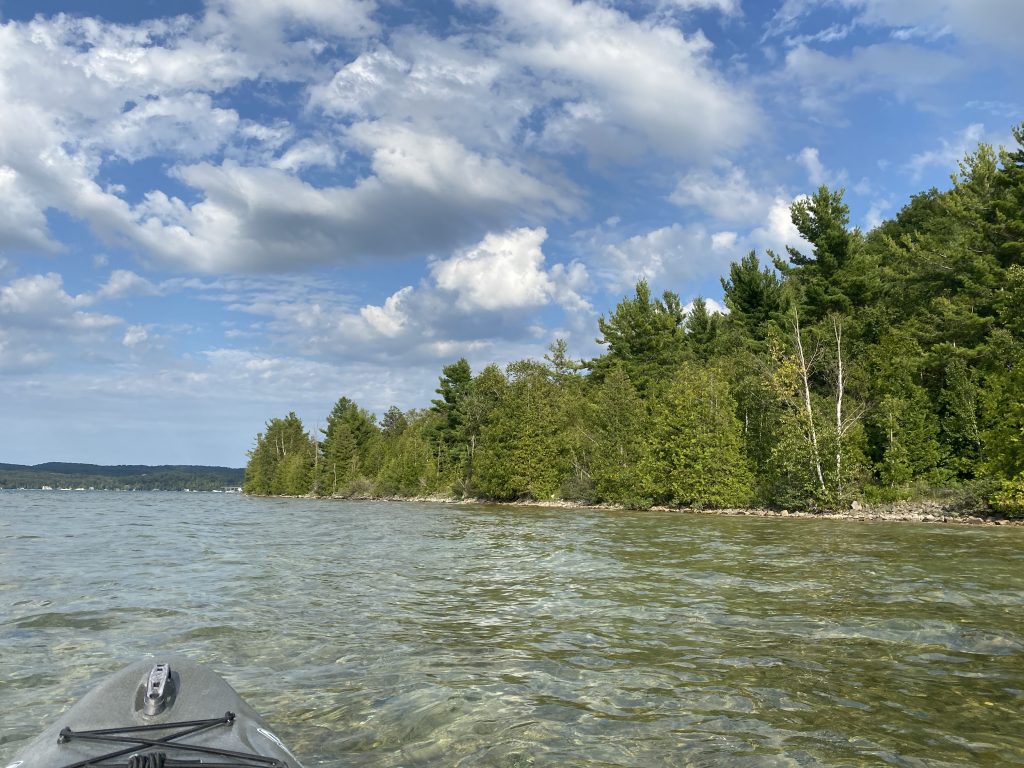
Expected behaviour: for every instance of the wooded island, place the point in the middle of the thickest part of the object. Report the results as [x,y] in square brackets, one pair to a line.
[882,365]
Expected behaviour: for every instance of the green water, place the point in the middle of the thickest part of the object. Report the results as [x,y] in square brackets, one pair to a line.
[383,634]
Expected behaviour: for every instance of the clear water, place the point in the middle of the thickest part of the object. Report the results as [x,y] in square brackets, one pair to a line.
[384,634]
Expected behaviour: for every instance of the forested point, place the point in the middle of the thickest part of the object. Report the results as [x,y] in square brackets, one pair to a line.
[878,366]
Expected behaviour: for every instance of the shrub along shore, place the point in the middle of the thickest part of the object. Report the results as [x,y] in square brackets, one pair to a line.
[872,369]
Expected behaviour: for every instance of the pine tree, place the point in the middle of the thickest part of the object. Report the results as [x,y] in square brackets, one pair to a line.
[645,337]
[350,450]
[753,295]
[281,462]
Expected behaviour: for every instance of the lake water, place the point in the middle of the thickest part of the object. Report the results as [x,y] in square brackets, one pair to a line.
[386,634]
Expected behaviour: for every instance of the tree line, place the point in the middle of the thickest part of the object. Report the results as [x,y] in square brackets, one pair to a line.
[878,365]
[122,477]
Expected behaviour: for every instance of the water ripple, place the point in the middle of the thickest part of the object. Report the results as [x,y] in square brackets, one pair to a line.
[381,634]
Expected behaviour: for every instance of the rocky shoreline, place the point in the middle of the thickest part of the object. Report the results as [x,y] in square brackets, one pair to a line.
[924,511]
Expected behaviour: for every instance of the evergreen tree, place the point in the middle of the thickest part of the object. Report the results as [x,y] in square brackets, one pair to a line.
[350,450]
[702,330]
[753,295]
[451,443]
[527,450]
[1006,220]
[695,455]
[644,337]
[282,460]
[618,437]
[409,467]
[961,433]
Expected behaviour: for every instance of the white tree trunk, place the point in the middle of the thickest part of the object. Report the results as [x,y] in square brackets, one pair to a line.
[809,409]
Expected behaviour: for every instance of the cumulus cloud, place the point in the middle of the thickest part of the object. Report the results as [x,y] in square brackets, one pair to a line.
[434,139]
[427,193]
[455,86]
[40,300]
[267,19]
[635,84]
[685,257]
[817,173]
[22,220]
[503,271]
[573,75]
[40,321]
[723,192]
[187,126]
[494,297]
[727,7]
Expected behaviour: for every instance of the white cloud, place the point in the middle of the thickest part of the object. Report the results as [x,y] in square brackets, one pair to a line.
[724,241]
[504,271]
[682,257]
[41,322]
[427,193]
[727,7]
[135,335]
[725,193]
[123,282]
[634,84]
[812,163]
[38,298]
[187,126]
[899,69]
[307,153]
[265,19]
[979,22]
[453,86]
[389,320]
[22,221]
[874,215]
[949,152]
[817,173]
[712,305]
[488,299]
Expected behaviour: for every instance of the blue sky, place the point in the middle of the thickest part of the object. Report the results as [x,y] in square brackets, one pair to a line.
[216,212]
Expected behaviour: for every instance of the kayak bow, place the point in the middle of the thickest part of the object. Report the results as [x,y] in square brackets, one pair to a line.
[175,713]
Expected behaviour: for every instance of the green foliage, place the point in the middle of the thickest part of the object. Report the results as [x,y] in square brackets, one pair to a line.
[1006,217]
[908,433]
[878,365]
[1004,439]
[281,463]
[618,438]
[821,279]
[123,477]
[960,429]
[349,452]
[528,446]
[645,337]
[1009,500]
[452,434]
[694,455]
[702,328]
[409,467]
[753,296]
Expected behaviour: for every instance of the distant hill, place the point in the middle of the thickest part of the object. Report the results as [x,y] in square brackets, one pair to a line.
[165,477]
